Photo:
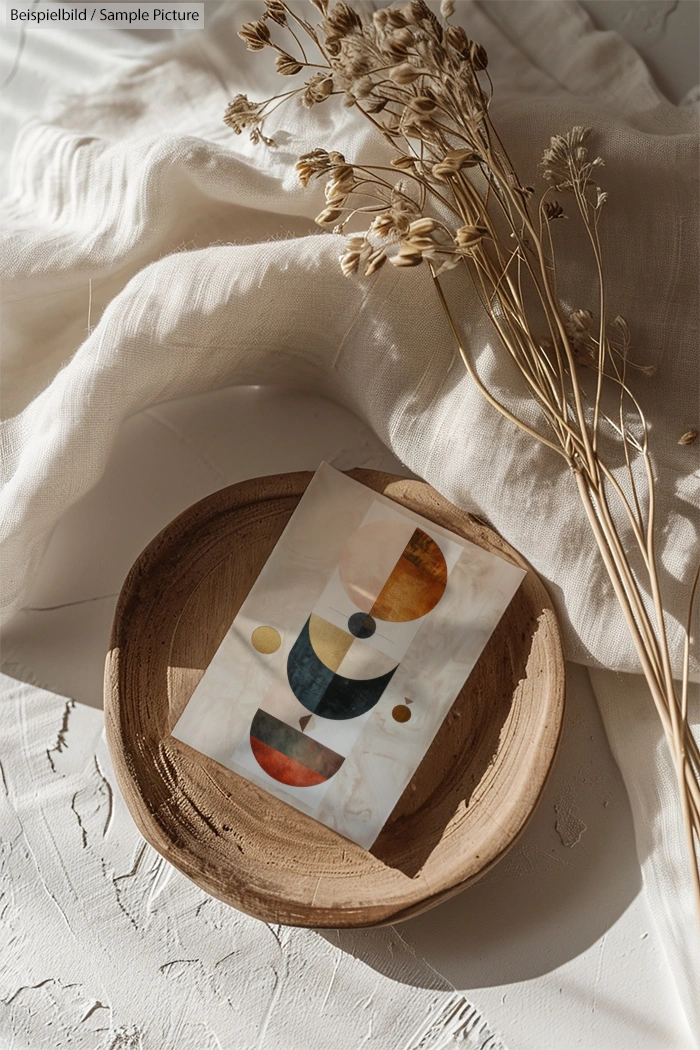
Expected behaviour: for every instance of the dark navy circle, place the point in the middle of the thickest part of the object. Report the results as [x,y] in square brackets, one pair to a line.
[361,625]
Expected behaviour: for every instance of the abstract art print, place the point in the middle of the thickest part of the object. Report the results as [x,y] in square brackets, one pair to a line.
[347,654]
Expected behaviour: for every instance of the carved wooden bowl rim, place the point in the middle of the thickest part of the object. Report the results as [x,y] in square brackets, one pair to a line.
[468,802]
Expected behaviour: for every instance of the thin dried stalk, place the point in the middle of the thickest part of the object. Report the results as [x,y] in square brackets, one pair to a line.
[450,197]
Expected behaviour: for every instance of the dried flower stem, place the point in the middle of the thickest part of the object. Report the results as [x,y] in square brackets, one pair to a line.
[452,198]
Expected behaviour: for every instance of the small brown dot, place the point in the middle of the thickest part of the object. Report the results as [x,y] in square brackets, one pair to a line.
[401,713]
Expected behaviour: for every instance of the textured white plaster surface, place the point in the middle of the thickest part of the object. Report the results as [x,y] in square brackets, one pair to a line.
[106,946]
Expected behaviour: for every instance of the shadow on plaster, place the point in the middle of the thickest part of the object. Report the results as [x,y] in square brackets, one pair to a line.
[555,893]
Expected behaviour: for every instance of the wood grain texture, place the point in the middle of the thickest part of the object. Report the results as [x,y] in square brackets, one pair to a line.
[467,803]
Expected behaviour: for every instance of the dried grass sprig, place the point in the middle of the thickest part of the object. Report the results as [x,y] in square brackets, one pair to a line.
[451,199]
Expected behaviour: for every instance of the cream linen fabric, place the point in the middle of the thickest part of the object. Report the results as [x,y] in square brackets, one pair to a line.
[199,258]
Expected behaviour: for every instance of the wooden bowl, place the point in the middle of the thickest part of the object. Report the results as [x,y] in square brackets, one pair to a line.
[467,803]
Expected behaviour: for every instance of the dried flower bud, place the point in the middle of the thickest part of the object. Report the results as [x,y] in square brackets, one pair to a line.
[343,173]
[689,438]
[565,163]
[422,104]
[395,17]
[287,66]
[255,34]
[582,320]
[420,10]
[242,113]
[316,90]
[458,39]
[328,216]
[405,73]
[454,161]
[478,56]
[404,163]
[421,244]
[407,12]
[355,248]
[376,260]
[378,106]
[623,328]
[343,20]
[407,255]
[398,43]
[275,10]
[402,37]
[356,59]
[383,224]
[469,237]
[447,8]
[422,227]
[314,163]
[553,210]
[303,171]
[406,260]
[360,255]
[394,49]
[340,184]
[363,87]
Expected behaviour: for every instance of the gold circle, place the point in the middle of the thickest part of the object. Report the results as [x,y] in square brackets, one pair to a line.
[266,640]
[401,713]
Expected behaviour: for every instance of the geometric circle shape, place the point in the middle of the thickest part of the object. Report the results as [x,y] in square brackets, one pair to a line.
[282,768]
[361,625]
[368,558]
[255,852]
[334,694]
[401,713]
[416,583]
[287,755]
[393,571]
[330,694]
[266,640]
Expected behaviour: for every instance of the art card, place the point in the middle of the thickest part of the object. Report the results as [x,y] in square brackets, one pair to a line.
[347,654]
